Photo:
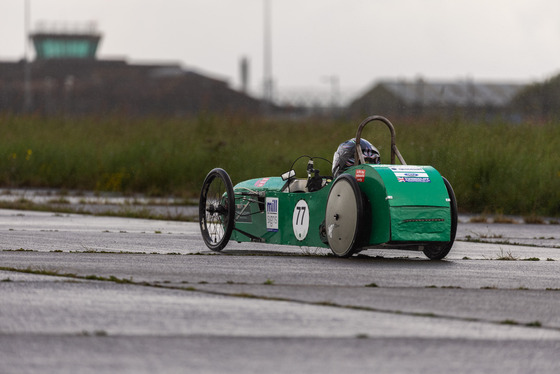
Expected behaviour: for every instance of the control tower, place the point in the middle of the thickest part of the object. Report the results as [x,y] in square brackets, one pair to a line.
[78,43]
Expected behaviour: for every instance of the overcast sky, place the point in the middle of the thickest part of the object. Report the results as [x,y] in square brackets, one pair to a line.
[358,41]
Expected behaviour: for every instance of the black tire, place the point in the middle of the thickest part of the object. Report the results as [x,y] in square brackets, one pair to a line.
[438,252]
[216,209]
[343,215]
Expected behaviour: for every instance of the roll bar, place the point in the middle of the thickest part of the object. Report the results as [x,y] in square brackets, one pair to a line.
[359,157]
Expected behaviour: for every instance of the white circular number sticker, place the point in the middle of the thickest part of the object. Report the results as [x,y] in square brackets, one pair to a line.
[300,220]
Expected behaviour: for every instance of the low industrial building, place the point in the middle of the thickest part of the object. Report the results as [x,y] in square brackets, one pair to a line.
[401,98]
[67,78]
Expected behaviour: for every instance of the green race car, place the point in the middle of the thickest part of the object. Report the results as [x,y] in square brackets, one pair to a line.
[395,206]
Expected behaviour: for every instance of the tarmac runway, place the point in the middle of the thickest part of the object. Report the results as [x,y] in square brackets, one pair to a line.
[84,294]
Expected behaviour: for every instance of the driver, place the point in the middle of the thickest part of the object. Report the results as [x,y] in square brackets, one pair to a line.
[344,155]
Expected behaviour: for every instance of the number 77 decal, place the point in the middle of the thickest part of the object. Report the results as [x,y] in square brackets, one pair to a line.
[300,220]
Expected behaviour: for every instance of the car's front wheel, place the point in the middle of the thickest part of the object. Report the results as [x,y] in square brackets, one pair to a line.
[216,209]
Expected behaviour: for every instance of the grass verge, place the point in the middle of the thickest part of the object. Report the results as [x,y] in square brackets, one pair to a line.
[494,167]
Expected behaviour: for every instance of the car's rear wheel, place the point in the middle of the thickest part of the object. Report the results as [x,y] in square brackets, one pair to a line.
[343,215]
[437,252]
[216,209]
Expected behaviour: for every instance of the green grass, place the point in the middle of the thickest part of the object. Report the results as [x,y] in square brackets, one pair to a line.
[510,169]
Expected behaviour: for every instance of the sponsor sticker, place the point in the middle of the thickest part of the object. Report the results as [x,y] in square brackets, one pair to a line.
[415,180]
[271,213]
[261,182]
[407,168]
[360,175]
[412,175]
[406,173]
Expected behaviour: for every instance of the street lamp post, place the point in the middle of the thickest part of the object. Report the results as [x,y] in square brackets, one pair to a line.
[28,97]
[267,56]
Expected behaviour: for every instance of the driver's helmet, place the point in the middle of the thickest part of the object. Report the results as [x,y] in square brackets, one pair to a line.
[344,155]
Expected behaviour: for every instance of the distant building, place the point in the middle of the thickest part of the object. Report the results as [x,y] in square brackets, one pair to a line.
[67,78]
[51,45]
[421,98]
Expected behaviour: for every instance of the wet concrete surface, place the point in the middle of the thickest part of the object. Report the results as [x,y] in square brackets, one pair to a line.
[88,202]
[84,294]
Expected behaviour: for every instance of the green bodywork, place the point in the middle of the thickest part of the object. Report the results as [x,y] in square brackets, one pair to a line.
[252,212]
[401,204]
